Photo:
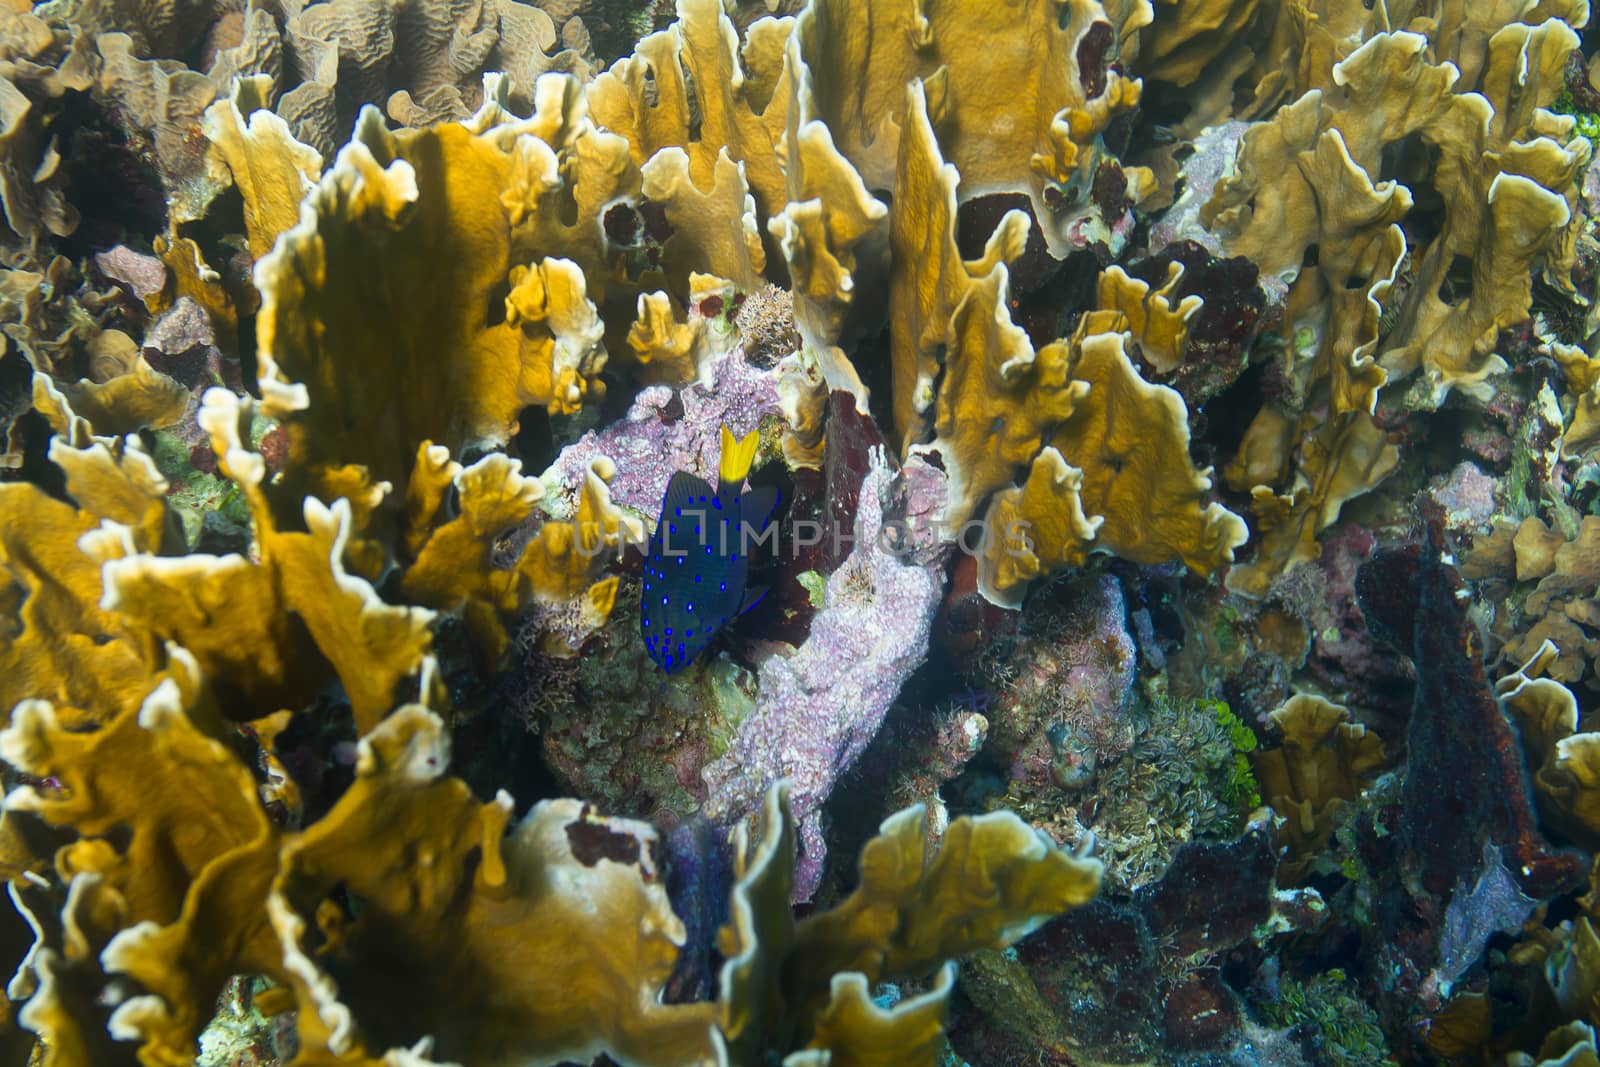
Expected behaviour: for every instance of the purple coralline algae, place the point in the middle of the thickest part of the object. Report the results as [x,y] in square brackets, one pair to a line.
[1468,497]
[818,708]
[667,430]
[1214,152]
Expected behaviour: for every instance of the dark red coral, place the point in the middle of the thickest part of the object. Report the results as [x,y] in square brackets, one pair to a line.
[968,624]
[1214,894]
[1465,777]
[1134,980]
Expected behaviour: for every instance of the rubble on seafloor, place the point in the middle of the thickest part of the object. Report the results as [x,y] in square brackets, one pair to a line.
[1177,641]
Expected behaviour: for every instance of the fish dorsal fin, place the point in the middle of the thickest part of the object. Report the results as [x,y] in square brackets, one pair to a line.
[687,497]
[737,455]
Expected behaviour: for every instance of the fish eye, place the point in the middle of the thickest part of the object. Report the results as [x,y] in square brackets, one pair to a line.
[690,608]
[708,550]
[669,631]
[663,601]
[722,587]
[697,579]
[680,561]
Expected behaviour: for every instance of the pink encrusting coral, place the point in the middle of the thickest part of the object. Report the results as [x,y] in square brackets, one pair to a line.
[667,430]
[818,708]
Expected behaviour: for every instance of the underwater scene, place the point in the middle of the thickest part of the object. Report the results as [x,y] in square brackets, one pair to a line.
[799,533]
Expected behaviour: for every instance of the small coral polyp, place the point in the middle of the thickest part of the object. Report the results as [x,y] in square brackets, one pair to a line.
[348,349]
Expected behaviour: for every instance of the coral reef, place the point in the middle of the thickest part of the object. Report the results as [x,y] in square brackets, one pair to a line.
[1184,418]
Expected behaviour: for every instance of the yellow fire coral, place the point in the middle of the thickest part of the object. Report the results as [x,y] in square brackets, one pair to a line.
[917,69]
[35,69]
[1118,473]
[1309,177]
[1183,39]
[141,397]
[1131,440]
[1336,462]
[646,97]
[452,566]
[710,158]
[272,171]
[828,216]
[186,885]
[998,398]
[61,976]
[1509,191]
[419,350]
[94,616]
[928,280]
[1022,90]
[788,985]
[1582,374]
[547,943]
[165,102]
[241,618]
[1506,177]
[1148,314]
[1561,607]
[1566,763]
[667,349]
[562,351]
[1322,764]
[565,557]
[1038,527]
[412,921]
[63,644]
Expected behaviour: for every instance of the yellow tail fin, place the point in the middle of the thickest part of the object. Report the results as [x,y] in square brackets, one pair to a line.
[737,455]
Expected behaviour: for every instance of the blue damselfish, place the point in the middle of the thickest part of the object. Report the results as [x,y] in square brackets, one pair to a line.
[694,577]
